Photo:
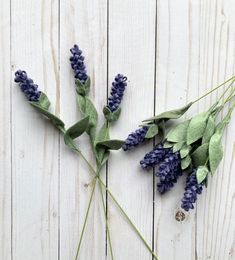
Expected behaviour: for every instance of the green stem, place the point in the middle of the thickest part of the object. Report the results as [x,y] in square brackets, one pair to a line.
[214,89]
[226,90]
[85,221]
[106,221]
[129,220]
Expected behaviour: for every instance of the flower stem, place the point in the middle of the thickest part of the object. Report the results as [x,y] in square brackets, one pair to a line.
[85,221]
[106,221]
[214,89]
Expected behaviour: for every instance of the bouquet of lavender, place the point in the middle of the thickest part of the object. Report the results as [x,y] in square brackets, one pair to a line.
[193,146]
[100,138]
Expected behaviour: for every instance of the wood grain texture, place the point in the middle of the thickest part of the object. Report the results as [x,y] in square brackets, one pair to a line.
[171,52]
[34,43]
[5,133]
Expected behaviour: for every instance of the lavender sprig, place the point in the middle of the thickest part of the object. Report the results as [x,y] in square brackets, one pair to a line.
[154,157]
[27,86]
[169,171]
[192,189]
[117,91]
[135,138]
[77,64]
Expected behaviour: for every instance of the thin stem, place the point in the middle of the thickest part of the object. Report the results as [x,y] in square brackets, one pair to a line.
[85,221]
[129,220]
[119,206]
[226,90]
[212,90]
[106,222]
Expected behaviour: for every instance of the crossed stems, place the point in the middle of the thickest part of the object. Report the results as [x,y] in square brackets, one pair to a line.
[102,184]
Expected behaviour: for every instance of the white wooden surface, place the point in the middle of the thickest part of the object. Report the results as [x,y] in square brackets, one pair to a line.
[172,51]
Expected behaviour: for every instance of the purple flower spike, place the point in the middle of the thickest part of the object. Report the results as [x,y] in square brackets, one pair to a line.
[135,138]
[117,91]
[169,172]
[192,189]
[154,157]
[27,86]
[77,64]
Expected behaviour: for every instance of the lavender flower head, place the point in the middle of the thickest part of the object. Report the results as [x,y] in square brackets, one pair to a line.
[77,64]
[169,171]
[27,86]
[117,91]
[192,189]
[135,138]
[154,157]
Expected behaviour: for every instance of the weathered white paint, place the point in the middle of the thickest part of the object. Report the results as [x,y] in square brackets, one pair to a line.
[172,52]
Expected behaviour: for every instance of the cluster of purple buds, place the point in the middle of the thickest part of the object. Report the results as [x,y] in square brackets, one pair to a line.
[169,171]
[27,86]
[135,138]
[192,189]
[154,157]
[77,64]
[117,91]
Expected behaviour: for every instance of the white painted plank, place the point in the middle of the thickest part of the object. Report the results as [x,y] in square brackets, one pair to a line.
[5,133]
[35,140]
[177,83]
[131,52]
[215,214]
[84,23]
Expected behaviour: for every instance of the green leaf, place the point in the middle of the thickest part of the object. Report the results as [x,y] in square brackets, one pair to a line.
[201,174]
[197,127]
[111,144]
[152,131]
[186,162]
[78,128]
[215,151]
[168,144]
[178,133]
[81,101]
[101,152]
[54,119]
[172,114]
[178,146]
[210,129]
[111,116]
[83,89]
[44,101]
[200,155]
[161,129]
[184,151]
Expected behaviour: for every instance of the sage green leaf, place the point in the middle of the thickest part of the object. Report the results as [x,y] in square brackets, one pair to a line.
[70,142]
[78,129]
[161,129]
[172,114]
[152,131]
[111,116]
[54,119]
[201,174]
[111,144]
[91,112]
[101,152]
[178,146]
[215,151]
[83,89]
[44,101]
[200,155]
[186,162]
[81,101]
[197,127]
[178,133]
[168,144]
[184,151]
[210,129]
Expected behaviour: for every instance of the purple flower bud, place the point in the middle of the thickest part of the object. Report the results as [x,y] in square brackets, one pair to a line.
[77,64]
[192,189]
[169,171]
[154,157]
[117,91]
[27,86]
[135,138]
